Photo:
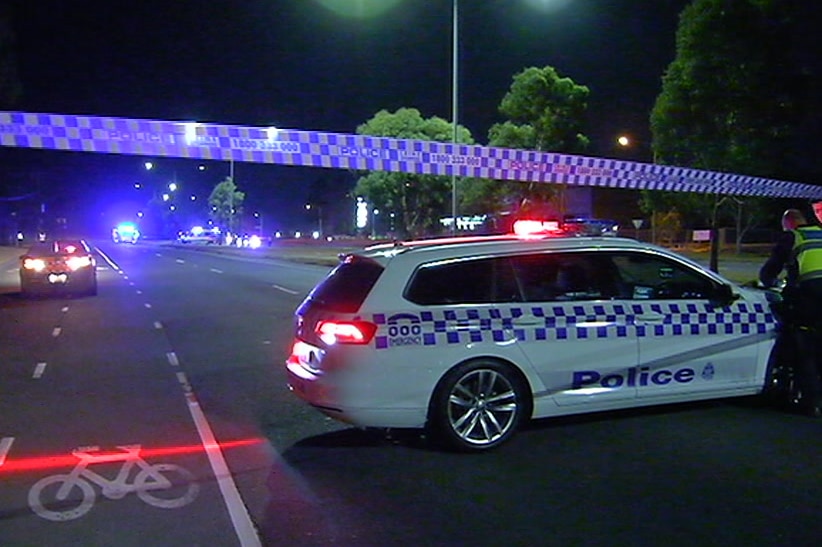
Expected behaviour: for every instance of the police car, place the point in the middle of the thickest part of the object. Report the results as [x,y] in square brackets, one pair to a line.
[470,337]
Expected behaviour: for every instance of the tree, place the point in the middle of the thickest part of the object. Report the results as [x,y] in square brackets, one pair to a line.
[226,202]
[731,98]
[417,201]
[545,112]
[10,87]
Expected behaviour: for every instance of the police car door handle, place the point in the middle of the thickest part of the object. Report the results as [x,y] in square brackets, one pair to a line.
[464,325]
[651,317]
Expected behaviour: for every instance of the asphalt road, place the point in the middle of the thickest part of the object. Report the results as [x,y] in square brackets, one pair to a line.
[181,353]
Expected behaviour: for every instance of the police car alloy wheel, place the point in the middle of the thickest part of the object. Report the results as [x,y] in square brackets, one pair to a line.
[478,405]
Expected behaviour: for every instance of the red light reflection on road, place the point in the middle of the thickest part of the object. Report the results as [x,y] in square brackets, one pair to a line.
[40,463]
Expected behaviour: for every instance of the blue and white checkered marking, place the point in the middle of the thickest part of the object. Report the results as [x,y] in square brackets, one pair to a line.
[204,141]
[570,322]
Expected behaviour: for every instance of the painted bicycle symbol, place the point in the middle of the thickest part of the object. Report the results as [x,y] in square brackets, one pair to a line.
[163,485]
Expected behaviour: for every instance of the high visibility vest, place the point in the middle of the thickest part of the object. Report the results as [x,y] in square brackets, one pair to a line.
[807,250]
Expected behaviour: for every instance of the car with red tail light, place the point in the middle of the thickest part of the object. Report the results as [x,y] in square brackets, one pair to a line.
[61,266]
[470,337]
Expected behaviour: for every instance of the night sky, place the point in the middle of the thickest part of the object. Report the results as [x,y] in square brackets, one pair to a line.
[299,64]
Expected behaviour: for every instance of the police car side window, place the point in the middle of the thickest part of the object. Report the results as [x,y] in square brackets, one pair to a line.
[653,277]
[563,276]
[536,275]
[475,281]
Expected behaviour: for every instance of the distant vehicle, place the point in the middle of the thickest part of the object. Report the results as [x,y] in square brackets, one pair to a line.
[471,337]
[590,227]
[59,266]
[201,236]
[126,232]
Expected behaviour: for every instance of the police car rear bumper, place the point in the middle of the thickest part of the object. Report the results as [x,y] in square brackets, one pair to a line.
[314,389]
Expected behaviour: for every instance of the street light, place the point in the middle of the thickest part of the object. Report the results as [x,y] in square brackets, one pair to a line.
[259,218]
[454,107]
[545,5]
[319,208]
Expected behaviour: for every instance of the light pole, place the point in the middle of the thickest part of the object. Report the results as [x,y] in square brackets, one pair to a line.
[259,218]
[454,106]
[319,208]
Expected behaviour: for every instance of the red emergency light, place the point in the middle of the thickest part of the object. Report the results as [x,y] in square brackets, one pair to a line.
[536,227]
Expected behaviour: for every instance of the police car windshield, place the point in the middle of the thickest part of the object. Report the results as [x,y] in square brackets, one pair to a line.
[347,286]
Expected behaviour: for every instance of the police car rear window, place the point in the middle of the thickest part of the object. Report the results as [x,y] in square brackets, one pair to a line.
[347,285]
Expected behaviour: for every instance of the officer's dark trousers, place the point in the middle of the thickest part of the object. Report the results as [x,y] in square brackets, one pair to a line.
[809,343]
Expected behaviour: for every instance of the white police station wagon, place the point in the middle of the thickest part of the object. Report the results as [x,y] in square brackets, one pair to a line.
[469,337]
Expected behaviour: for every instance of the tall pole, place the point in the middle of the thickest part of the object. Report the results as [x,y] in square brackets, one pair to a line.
[231,197]
[454,109]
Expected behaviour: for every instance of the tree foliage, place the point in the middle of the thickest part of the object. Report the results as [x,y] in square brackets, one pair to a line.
[417,201]
[226,203]
[731,97]
[730,102]
[545,112]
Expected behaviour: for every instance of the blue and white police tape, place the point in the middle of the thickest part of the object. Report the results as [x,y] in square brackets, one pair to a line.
[208,141]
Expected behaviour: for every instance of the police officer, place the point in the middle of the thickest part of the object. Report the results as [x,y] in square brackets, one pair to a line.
[799,252]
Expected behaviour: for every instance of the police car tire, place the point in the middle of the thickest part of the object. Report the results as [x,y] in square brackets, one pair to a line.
[481,387]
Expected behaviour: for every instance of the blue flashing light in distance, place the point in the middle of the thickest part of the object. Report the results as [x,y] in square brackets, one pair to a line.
[125,232]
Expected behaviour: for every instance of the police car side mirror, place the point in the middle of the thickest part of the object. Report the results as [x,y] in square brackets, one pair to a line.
[724,296]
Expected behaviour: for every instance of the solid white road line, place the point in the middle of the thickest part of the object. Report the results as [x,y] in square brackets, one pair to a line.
[279,288]
[5,446]
[109,260]
[243,526]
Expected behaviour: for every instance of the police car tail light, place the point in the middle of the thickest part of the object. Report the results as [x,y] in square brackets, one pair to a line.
[345,332]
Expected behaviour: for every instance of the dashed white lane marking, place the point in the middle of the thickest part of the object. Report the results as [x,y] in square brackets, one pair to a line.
[279,288]
[180,261]
[39,370]
[147,305]
[215,270]
[243,526]
[65,309]
[139,291]
[172,359]
[158,325]
[5,446]
[56,332]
